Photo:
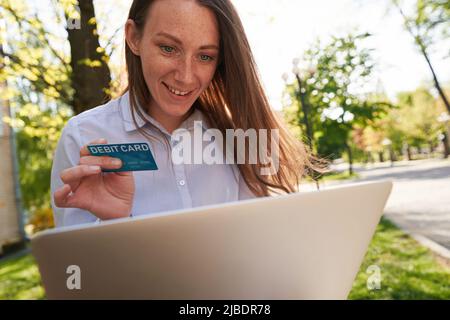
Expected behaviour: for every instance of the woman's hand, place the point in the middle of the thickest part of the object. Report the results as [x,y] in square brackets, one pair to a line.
[107,195]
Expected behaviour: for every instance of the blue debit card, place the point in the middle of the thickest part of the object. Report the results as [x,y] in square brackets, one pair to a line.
[134,156]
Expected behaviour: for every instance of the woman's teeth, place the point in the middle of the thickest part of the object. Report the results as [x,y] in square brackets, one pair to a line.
[178,93]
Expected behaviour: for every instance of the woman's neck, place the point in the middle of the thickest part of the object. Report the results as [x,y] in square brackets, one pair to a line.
[170,123]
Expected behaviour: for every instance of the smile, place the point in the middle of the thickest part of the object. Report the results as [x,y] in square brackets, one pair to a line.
[177,92]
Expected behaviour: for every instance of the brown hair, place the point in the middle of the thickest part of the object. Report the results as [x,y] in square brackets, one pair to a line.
[235,99]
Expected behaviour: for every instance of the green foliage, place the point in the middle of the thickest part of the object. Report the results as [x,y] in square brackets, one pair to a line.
[33,58]
[332,79]
[412,123]
[35,68]
[428,21]
[36,72]
[333,137]
[417,117]
[347,124]
[335,176]
[20,279]
[38,132]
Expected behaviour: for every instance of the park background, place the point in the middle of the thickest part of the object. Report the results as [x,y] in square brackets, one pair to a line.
[365,83]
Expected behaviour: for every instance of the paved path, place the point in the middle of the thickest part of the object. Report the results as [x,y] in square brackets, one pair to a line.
[420,198]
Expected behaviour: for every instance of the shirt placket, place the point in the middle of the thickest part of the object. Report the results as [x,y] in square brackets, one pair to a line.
[181,182]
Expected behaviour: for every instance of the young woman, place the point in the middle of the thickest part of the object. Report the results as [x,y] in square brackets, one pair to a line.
[189,62]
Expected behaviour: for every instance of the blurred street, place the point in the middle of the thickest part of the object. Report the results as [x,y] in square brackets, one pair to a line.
[420,198]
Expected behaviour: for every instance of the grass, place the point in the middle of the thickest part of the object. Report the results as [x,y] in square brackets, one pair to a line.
[342,175]
[334,176]
[408,271]
[20,279]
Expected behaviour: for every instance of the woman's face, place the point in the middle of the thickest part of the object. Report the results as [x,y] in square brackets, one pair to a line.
[179,48]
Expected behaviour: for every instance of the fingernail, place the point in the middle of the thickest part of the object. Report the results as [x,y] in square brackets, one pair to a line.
[116,162]
[94,168]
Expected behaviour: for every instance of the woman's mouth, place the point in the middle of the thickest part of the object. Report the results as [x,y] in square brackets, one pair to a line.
[176,94]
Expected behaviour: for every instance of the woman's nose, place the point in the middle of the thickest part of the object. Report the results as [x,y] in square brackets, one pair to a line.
[185,72]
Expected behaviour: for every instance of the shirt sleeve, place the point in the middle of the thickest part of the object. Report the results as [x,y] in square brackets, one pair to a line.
[67,155]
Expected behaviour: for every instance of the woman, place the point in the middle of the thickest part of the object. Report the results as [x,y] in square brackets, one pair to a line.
[188,62]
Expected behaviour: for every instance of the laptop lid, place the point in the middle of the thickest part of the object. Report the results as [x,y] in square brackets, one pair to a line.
[298,246]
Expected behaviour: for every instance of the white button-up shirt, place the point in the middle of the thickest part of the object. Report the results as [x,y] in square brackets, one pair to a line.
[172,186]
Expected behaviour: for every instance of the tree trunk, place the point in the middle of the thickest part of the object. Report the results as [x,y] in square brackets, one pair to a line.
[305,108]
[381,156]
[423,49]
[90,73]
[350,159]
[435,79]
[392,156]
[446,145]
[408,152]
[431,144]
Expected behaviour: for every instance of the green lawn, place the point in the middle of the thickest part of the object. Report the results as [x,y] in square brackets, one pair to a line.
[408,271]
[334,175]
[20,279]
[343,175]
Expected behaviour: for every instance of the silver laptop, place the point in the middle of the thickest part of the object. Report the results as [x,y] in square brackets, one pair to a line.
[298,246]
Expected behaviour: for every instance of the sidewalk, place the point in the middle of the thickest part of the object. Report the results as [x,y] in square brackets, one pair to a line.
[420,199]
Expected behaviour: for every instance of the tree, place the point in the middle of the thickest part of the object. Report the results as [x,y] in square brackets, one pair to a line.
[418,114]
[330,79]
[45,82]
[90,73]
[412,123]
[81,78]
[429,23]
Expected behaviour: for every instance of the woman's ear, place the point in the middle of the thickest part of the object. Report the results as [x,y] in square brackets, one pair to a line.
[132,36]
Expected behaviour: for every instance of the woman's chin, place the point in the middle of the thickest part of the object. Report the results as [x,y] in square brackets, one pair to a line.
[177,111]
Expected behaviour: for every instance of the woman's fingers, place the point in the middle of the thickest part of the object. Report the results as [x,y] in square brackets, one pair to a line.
[62,195]
[104,162]
[124,173]
[64,198]
[73,175]
[84,151]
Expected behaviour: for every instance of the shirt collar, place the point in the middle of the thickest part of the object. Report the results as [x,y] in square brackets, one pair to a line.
[129,125]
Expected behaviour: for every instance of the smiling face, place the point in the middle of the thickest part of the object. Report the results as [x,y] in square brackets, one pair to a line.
[179,49]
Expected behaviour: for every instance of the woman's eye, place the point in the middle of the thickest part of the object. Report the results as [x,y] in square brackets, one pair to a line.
[170,50]
[205,57]
[167,49]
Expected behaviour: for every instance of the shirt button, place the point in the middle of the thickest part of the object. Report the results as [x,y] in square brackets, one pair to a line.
[182,182]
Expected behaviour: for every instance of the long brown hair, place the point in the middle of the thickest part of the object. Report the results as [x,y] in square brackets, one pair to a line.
[235,99]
